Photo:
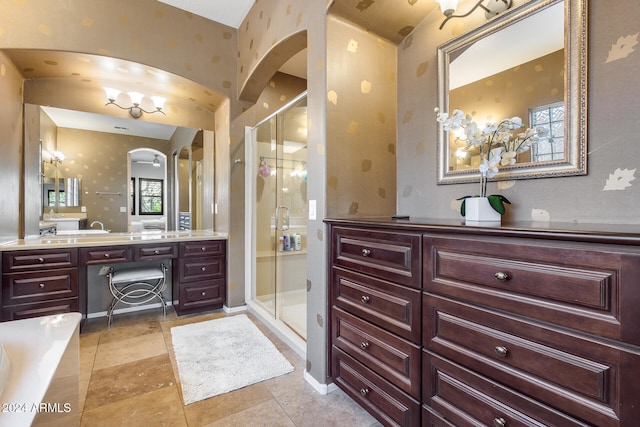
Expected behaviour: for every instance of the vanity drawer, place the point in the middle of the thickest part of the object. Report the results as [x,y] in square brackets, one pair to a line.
[395,257]
[381,399]
[577,286]
[160,251]
[203,248]
[106,255]
[575,374]
[20,288]
[45,308]
[395,359]
[462,397]
[201,269]
[390,306]
[202,295]
[39,260]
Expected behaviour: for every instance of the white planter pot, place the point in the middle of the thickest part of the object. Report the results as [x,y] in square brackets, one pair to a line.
[479,210]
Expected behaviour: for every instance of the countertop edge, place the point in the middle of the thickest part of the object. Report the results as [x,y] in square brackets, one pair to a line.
[110,239]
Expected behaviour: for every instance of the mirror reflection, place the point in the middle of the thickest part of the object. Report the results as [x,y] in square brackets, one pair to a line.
[123,182]
[521,64]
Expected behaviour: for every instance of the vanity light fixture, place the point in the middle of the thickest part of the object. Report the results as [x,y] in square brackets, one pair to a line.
[156,161]
[56,158]
[136,99]
[491,8]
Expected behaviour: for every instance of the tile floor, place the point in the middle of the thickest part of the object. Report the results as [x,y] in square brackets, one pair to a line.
[128,377]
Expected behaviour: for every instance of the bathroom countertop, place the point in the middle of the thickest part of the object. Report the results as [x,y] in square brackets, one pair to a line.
[37,348]
[109,239]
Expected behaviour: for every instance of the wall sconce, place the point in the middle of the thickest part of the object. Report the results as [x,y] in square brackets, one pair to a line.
[56,158]
[491,8]
[136,99]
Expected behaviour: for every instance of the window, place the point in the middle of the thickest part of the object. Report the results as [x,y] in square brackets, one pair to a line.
[551,118]
[151,196]
[51,195]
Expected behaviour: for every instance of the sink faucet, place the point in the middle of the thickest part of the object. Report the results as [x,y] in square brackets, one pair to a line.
[97,222]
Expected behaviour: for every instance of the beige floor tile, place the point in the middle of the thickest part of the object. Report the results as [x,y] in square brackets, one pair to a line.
[129,350]
[334,409]
[128,380]
[216,408]
[266,414]
[158,408]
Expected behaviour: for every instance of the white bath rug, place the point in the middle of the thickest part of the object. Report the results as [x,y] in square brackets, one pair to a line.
[221,355]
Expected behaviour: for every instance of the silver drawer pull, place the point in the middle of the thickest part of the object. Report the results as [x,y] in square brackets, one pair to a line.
[364,391]
[41,285]
[107,255]
[365,298]
[203,268]
[502,276]
[364,345]
[501,351]
[203,294]
[156,252]
[203,249]
[366,252]
[40,259]
[499,422]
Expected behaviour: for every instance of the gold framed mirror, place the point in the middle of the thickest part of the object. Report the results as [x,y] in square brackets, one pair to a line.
[529,62]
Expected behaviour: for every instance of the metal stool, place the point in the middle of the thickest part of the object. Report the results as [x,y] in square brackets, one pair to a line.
[137,286]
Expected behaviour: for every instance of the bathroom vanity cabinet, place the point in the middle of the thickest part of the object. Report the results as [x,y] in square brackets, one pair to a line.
[513,325]
[38,281]
[200,276]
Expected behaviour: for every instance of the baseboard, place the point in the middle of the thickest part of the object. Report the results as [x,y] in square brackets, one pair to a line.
[238,309]
[127,310]
[319,387]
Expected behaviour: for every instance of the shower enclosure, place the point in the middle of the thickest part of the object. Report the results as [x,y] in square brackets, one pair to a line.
[277,184]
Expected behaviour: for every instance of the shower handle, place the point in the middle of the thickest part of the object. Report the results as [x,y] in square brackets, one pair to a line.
[285,226]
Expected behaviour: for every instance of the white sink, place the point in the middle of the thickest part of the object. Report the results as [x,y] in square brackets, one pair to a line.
[5,364]
[80,232]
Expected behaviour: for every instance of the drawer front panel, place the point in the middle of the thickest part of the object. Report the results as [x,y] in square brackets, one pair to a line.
[26,311]
[575,288]
[200,294]
[463,397]
[39,260]
[21,288]
[571,373]
[107,255]
[392,256]
[385,402]
[201,269]
[392,307]
[202,248]
[155,252]
[393,358]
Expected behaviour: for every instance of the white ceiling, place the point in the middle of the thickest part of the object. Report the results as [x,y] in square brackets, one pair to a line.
[102,123]
[227,12]
[540,34]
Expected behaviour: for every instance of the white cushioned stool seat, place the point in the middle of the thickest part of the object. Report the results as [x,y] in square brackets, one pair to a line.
[136,274]
[136,286]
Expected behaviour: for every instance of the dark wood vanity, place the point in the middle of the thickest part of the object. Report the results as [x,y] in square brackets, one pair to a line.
[436,323]
[38,282]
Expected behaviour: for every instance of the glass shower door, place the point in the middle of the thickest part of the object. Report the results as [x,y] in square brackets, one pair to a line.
[280,216]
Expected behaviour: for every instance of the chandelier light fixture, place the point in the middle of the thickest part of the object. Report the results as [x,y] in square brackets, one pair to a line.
[135,110]
[491,8]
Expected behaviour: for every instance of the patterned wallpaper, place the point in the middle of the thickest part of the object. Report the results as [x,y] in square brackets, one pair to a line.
[100,160]
[608,194]
[361,122]
[11,131]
